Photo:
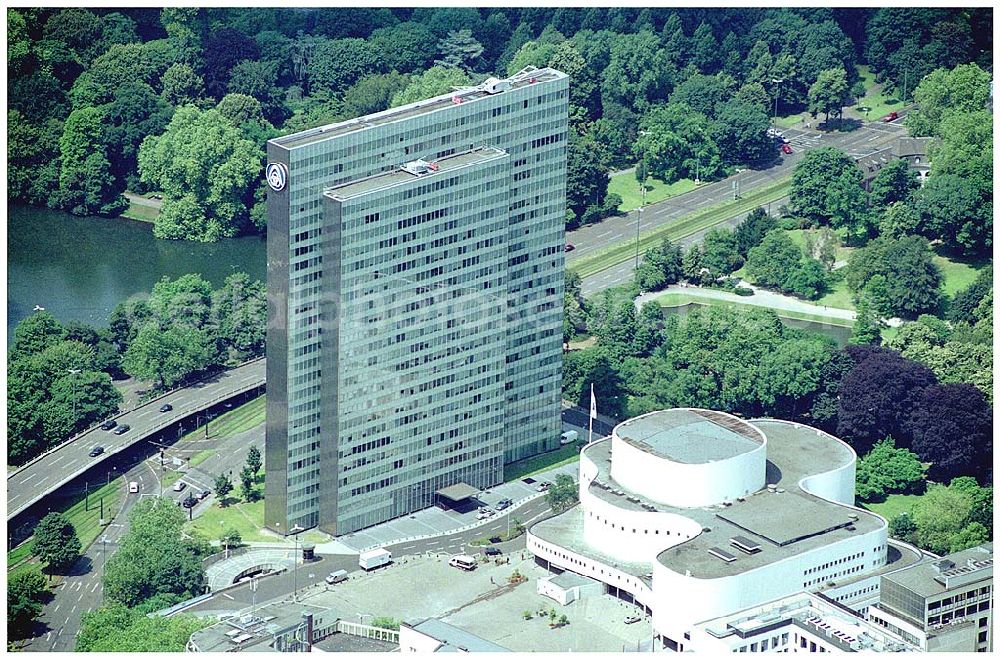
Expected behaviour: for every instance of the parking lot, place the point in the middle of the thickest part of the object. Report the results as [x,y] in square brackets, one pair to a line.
[483,603]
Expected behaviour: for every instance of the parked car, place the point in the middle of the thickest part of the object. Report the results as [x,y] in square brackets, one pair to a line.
[190,501]
[122,429]
[179,486]
[109,424]
[484,513]
[204,494]
[504,504]
[570,247]
[543,486]
[166,407]
[492,551]
[133,487]
[786,148]
[892,116]
[96,451]
[632,619]
[336,577]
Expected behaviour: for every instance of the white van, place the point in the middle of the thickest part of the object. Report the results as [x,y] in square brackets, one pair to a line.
[463,562]
[336,577]
[133,487]
[568,437]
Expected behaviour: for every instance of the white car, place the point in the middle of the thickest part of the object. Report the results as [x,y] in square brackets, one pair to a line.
[179,485]
[484,513]
[133,487]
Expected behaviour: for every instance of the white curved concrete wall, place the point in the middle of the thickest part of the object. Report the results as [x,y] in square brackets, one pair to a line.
[633,535]
[687,485]
[681,601]
[589,567]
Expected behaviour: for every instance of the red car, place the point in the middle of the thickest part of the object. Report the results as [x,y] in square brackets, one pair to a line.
[785,148]
[570,247]
[892,116]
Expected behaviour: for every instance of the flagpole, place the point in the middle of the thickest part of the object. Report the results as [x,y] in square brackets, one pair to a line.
[593,412]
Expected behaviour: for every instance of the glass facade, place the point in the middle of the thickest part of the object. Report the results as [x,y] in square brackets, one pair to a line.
[374,400]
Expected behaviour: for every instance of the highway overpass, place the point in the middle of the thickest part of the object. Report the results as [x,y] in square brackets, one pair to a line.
[51,471]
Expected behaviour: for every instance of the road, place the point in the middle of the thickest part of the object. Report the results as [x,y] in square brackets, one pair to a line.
[597,237]
[48,473]
[81,591]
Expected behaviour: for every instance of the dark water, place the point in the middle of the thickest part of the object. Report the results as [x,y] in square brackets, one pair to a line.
[836,332]
[79,268]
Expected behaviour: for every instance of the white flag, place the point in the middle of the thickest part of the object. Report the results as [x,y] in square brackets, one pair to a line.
[593,403]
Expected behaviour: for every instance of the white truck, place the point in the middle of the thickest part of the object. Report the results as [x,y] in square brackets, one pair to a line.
[568,437]
[373,558]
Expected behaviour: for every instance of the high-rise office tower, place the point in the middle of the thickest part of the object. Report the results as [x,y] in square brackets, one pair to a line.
[415,284]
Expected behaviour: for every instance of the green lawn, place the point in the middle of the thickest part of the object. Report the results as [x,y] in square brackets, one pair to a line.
[878,104]
[680,299]
[894,505]
[628,188]
[539,463]
[838,297]
[85,519]
[233,422]
[958,274]
[201,456]
[141,213]
[790,120]
[247,518]
[680,228]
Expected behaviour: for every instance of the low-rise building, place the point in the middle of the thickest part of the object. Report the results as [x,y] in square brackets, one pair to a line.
[696,514]
[432,635]
[941,606]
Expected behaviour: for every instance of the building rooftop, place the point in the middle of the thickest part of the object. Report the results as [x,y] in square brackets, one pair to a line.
[257,632]
[454,638]
[783,523]
[572,580]
[413,171]
[690,436]
[935,577]
[839,626]
[528,76]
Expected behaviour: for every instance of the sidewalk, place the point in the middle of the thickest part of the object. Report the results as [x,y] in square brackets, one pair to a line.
[760,298]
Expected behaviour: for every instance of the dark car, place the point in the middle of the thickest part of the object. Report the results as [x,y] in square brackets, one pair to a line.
[892,116]
[190,501]
[109,424]
[122,429]
[96,451]
[166,407]
[492,551]
[504,504]
[570,247]
[786,149]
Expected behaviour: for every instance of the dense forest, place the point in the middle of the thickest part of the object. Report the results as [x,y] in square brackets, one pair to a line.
[180,101]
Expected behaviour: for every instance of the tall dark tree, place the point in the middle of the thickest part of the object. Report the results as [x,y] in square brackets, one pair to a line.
[952,428]
[894,182]
[55,542]
[878,397]
[25,592]
[912,279]
[752,229]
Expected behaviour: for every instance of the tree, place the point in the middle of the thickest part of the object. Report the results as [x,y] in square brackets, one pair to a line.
[373,93]
[878,397]
[952,428]
[867,329]
[913,280]
[741,133]
[894,183]
[223,486]
[790,374]
[955,211]
[898,220]
[337,64]
[677,142]
[586,177]
[134,112]
[254,461]
[405,46]
[56,542]
[434,81]
[702,93]
[86,185]
[888,470]
[459,50]
[34,334]
[168,356]
[830,93]
[247,491]
[25,591]
[720,253]
[808,279]
[773,260]
[964,305]
[239,310]
[181,85]
[752,229]
[826,188]
[939,516]
[562,494]
[966,88]
[591,366]
[230,539]
[199,147]
[660,267]
[116,628]
[902,528]
[649,330]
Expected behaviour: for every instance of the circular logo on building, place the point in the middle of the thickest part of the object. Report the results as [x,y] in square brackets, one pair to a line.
[277,176]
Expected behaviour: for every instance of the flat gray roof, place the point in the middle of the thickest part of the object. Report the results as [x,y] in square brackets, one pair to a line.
[690,436]
[775,521]
[572,580]
[922,578]
[417,108]
[457,638]
[458,491]
[446,165]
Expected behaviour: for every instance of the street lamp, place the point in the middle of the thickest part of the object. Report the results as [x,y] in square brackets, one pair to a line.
[295,530]
[638,221]
[776,82]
